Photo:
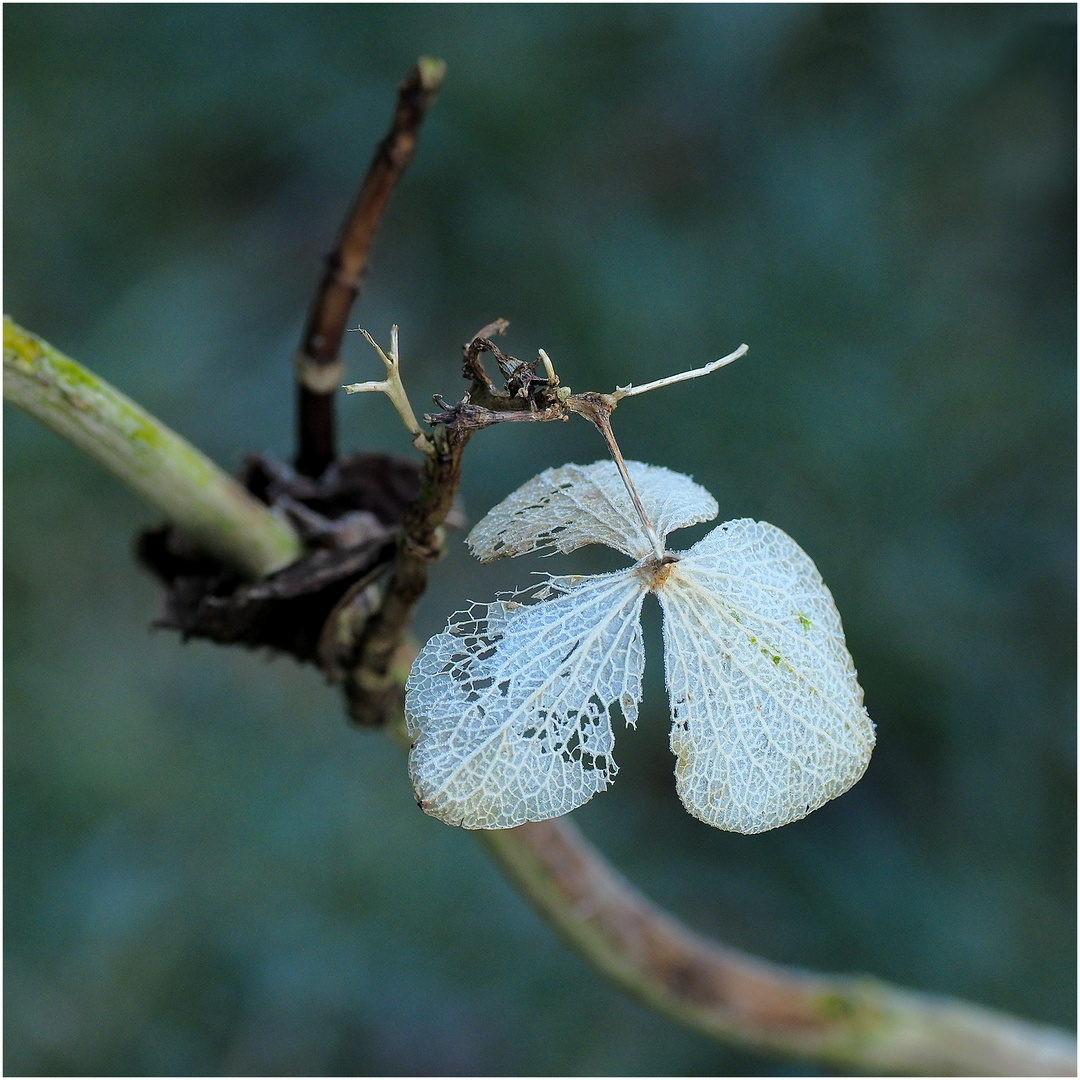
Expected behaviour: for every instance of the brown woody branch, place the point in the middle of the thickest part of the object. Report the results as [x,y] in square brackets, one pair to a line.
[318,365]
[374,688]
[857,1024]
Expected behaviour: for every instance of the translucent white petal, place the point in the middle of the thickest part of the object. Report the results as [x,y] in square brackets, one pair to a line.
[768,720]
[574,505]
[509,709]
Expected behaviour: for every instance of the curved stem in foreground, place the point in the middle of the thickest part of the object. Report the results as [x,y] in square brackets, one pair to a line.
[858,1024]
[205,503]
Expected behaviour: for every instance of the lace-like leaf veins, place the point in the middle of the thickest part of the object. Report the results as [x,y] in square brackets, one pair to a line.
[509,709]
[569,507]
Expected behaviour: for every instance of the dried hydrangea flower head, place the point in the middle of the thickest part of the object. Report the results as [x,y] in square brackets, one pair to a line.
[510,708]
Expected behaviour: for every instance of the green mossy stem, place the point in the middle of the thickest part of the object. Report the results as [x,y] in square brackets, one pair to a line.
[204,502]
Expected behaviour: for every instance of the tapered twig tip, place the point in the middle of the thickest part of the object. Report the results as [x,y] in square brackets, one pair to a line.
[632,391]
[432,71]
[497,326]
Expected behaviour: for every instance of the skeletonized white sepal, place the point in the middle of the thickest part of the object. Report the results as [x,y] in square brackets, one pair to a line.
[574,505]
[510,707]
[767,716]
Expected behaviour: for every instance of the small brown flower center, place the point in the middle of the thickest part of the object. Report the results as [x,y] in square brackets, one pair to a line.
[654,572]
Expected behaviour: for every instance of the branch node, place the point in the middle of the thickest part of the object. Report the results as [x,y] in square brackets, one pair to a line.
[316,377]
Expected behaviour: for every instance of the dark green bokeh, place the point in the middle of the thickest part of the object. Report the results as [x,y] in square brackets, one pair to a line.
[207,870]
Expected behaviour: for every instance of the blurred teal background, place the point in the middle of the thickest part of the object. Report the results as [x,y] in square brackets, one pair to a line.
[207,869]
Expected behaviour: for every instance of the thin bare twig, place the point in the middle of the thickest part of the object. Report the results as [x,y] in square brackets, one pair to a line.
[318,364]
[374,689]
[392,387]
[632,391]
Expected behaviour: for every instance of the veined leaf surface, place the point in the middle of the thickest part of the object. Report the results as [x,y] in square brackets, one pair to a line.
[510,707]
[767,716]
[566,508]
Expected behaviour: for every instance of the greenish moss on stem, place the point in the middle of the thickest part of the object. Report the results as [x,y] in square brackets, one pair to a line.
[203,501]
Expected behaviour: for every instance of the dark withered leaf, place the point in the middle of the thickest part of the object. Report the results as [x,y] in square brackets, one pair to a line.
[349,519]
